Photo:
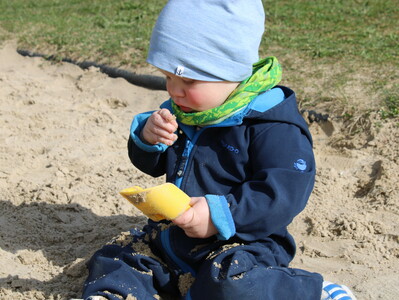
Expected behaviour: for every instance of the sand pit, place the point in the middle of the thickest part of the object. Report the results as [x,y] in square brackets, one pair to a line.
[63,160]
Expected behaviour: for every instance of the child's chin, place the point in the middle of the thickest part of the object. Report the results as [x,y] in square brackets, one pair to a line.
[186,109]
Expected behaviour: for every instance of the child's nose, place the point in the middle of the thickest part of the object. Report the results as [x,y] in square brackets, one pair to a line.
[175,90]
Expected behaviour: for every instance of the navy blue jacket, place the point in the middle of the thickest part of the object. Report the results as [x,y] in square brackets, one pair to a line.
[256,170]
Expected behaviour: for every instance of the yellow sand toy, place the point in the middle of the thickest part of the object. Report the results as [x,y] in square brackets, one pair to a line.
[165,201]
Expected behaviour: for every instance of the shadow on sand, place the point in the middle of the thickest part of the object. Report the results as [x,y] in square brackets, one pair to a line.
[66,235]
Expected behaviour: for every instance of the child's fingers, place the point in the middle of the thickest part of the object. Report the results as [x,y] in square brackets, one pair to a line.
[194,200]
[160,122]
[155,134]
[168,116]
[162,132]
[184,219]
[158,130]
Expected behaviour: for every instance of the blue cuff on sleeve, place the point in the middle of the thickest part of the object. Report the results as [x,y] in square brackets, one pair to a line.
[221,216]
[135,129]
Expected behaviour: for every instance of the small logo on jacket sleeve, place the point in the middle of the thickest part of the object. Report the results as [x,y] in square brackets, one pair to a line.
[300,165]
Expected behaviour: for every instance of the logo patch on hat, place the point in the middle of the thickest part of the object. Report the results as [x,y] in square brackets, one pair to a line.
[179,70]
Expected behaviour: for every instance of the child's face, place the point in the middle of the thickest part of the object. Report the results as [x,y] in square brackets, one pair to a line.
[196,95]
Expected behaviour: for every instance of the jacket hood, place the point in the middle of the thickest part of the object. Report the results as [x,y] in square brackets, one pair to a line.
[268,109]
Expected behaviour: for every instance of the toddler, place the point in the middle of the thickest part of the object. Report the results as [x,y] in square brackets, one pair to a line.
[233,140]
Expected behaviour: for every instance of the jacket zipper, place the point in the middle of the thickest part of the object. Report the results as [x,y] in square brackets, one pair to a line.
[182,164]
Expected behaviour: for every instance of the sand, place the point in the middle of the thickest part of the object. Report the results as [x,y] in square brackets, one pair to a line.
[63,160]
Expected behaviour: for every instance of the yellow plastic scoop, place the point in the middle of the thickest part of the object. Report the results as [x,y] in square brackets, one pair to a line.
[165,201]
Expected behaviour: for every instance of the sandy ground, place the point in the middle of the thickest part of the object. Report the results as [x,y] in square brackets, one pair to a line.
[63,160]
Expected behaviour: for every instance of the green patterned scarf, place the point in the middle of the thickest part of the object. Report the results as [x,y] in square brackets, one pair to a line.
[266,74]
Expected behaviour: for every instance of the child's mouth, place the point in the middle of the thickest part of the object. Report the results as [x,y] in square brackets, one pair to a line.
[185,109]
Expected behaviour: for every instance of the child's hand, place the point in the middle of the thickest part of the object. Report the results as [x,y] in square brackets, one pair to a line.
[160,128]
[196,221]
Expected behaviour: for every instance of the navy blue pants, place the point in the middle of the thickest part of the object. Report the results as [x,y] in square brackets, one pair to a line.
[234,272]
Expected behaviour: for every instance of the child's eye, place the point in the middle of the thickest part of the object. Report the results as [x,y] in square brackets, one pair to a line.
[188,81]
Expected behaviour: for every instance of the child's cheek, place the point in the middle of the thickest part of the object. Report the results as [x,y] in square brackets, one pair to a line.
[196,100]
